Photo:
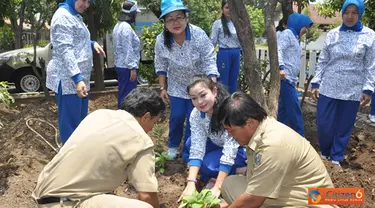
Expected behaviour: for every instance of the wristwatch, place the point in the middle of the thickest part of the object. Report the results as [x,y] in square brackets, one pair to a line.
[162,88]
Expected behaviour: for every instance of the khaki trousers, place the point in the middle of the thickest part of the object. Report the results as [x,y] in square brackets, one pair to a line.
[101,201]
[232,187]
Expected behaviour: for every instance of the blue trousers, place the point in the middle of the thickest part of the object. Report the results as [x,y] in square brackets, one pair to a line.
[228,64]
[335,121]
[211,161]
[125,86]
[180,111]
[71,111]
[372,111]
[290,112]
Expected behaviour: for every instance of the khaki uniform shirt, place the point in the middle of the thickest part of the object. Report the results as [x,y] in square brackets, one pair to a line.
[282,165]
[107,148]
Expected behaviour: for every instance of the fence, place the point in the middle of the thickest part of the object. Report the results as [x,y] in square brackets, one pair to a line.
[308,64]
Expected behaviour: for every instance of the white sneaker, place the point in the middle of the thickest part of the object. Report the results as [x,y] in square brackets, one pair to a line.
[323,157]
[172,153]
[371,118]
[336,163]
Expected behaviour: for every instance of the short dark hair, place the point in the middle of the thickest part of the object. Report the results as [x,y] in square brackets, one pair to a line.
[222,93]
[238,108]
[142,100]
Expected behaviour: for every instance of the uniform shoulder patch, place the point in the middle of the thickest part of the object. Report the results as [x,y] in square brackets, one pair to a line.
[258,158]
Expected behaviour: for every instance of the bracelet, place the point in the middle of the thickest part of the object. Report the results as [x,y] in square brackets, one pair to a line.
[162,88]
[192,180]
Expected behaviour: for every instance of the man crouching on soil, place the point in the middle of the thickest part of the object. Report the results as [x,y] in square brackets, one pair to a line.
[107,148]
[281,165]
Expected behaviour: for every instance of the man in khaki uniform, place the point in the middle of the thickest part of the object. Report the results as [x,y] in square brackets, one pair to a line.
[282,165]
[107,148]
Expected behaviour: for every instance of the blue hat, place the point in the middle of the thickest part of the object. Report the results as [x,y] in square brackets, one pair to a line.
[70,6]
[360,4]
[168,6]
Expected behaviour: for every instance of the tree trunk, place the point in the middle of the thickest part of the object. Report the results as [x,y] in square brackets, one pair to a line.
[252,69]
[99,78]
[42,76]
[273,97]
[18,27]
[287,9]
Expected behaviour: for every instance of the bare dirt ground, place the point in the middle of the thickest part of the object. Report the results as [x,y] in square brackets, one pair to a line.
[24,154]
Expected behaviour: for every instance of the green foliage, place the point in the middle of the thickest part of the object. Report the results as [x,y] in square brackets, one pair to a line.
[158,132]
[5,96]
[203,13]
[149,38]
[147,71]
[6,37]
[257,20]
[161,160]
[204,199]
[242,83]
[40,43]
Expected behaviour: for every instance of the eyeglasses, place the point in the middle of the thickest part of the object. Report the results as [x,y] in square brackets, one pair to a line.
[179,19]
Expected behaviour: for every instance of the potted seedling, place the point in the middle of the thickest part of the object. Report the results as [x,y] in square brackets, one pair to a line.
[204,199]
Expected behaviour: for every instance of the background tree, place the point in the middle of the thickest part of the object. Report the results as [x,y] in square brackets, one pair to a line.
[37,14]
[252,69]
[15,11]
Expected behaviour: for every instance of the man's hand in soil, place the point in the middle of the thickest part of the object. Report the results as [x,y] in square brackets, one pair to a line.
[365,99]
[190,188]
[315,93]
[81,89]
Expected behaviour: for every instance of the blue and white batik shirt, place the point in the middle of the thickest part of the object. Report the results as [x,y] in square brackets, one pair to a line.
[126,46]
[71,52]
[224,41]
[181,63]
[346,66]
[201,132]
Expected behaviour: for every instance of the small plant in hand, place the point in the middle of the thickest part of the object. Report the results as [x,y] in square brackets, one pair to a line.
[204,199]
[161,160]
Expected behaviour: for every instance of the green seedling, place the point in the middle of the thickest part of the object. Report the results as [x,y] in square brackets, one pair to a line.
[161,160]
[5,96]
[204,199]
[158,132]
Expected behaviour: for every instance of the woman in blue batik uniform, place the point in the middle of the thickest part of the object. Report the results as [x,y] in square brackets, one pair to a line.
[213,153]
[289,54]
[69,71]
[228,57]
[344,80]
[181,51]
[126,50]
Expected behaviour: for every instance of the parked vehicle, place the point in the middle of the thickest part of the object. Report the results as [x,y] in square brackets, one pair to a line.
[14,68]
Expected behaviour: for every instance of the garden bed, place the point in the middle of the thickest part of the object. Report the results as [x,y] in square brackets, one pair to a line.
[23,154]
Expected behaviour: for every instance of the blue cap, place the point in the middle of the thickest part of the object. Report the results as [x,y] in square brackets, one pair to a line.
[168,6]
